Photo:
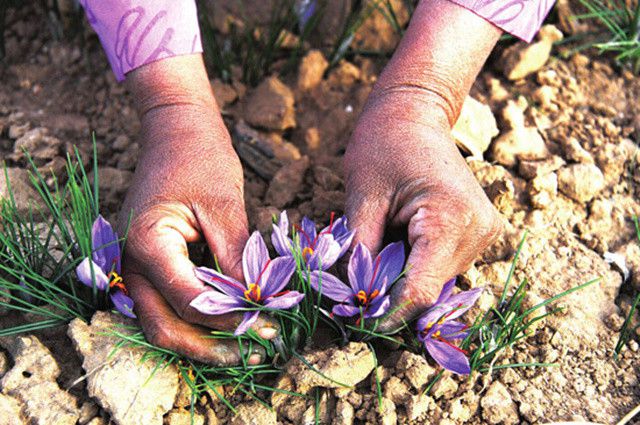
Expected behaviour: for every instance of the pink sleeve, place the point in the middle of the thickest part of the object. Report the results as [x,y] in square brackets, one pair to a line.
[521,18]
[136,32]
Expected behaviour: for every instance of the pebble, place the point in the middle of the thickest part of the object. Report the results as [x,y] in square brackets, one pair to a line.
[271,106]
[580,182]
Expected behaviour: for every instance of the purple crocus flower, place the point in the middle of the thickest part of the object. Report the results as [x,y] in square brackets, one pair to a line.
[106,266]
[265,280]
[437,328]
[317,249]
[369,281]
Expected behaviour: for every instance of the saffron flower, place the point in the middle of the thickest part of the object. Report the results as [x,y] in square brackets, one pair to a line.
[368,282]
[437,328]
[318,250]
[265,282]
[105,261]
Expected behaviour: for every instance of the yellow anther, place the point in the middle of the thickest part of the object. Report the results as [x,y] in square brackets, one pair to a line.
[253,293]
[307,252]
[436,334]
[429,326]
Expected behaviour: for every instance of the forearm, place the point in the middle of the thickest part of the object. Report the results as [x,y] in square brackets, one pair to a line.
[437,60]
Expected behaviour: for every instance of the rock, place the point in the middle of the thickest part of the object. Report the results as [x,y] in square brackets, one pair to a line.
[524,143]
[88,411]
[254,413]
[312,138]
[498,407]
[344,75]
[580,182]
[475,128]
[130,390]
[338,367]
[345,413]
[545,97]
[521,59]
[10,409]
[225,94]
[531,169]
[38,144]
[311,69]
[181,416]
[387,412]
[542,190]
[319,411]
[287,183]
[445,387]
[513,114]
[271,106]
[501,192]
[4,362]
[612,159]
[32,381]
[417,405]
[396,390]
[326,178]
[113,181]
[416,369]
[23,192]
[573,151]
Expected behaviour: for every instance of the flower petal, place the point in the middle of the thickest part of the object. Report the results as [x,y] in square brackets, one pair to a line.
[308,232]
[276,276]
[248,319]
[282,244]
[453,330]
[448,357]
[462,302]
[106,249]
[359,269]
[330,286]
[284,301]
[223,283]
[214,302]
[345,310]
[326,253]
[378,308]
[447,290]
[123,303]
[83,271]
[389,262]
[254,257]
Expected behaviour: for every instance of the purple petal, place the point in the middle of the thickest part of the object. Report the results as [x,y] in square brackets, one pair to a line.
[247,320]
[106,249]
[254,257]
[283,223]
[448,357]
[453,330]
[123,303]
[345,310]
[83,271]
[285,301]
[447,290]
[389,263]
[378,308]
[214,302]
[326,253]
[342,234]
[462,302]
[223,283]
[359,269]
[276,275]
[330,286]
[307,232]
[281,242]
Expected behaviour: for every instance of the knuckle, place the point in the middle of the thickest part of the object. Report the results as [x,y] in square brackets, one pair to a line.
[157,334]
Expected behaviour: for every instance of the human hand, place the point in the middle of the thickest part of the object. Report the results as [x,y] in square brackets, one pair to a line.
[188,184]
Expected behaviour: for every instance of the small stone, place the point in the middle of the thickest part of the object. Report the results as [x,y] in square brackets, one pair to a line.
[224,93]
[23,192]
[502,194]
[543,190]
[445,387]
[345,413]
[387,412]
[254,413]
[519,144]
[344,75]
[475,128]
[522,59]
[531,169]
[4,364]
[326,178]
[121,143]
[88,411]
[513,115]
[211,418]
[574,151]
[287,183]
[37,144]
[10,411]
[311,70]
[271,106]
[498,407]
[416,369]
[396,390]
[181,416]
[318,412]
[580,182]
[312,138]
[417,405]
[545,97]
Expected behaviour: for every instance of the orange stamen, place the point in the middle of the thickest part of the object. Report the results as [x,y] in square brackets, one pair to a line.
[253,293]
[115,281]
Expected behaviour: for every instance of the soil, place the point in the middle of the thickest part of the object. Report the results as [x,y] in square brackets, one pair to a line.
[576,194]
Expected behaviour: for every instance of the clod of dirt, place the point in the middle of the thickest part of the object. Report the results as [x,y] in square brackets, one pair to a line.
[271,106]
[10,409]
[573,151]
[183,417]
[348,366]
[543,190]
[532,169]
[38,144]
[523,143]
[131,390]
[418,405]
[387,412]
[580,182]
[445,387]
[416,369]
[23,192]
[254,414]
[344,414]
[498,407]
[32,381]
[522,59]
[396,390]
[225,94]
[286,184]
[475,128]
[312,68]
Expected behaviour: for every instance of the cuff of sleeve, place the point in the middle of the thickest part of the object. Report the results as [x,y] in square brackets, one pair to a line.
[520,18]
[136,33]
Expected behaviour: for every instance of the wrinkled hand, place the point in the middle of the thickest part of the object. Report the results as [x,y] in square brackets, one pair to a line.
[188,184]
[404,171]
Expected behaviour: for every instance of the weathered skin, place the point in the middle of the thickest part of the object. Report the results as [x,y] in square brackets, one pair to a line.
[403,169]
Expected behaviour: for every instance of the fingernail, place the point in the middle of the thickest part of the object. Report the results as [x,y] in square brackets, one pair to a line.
[268,333]
[255,359]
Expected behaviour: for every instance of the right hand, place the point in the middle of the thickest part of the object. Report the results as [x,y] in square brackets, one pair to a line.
[188,184]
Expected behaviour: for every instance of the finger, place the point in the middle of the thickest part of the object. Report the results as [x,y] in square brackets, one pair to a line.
[367,213]
[158,247]
[165,329]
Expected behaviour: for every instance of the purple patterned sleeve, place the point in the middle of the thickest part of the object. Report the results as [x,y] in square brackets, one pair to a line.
[521,18]
[136,32]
